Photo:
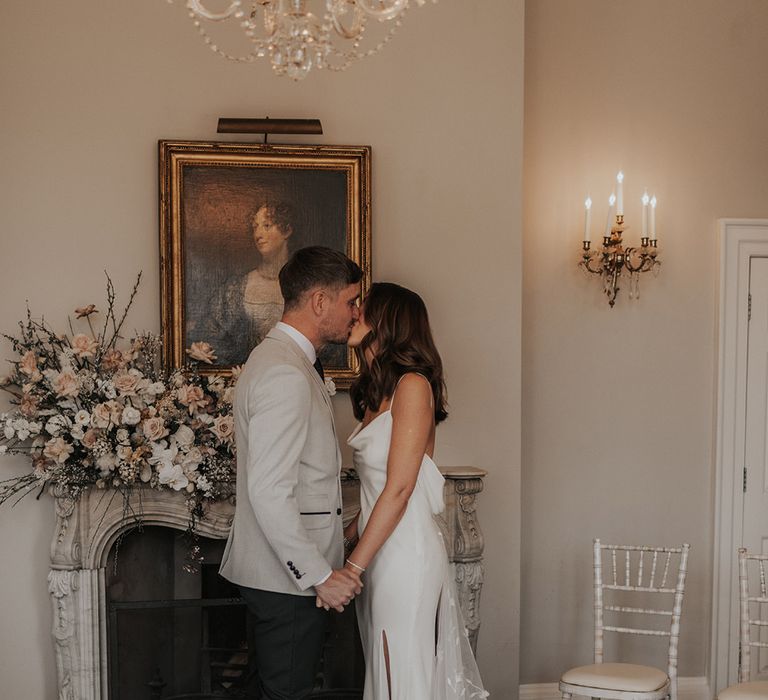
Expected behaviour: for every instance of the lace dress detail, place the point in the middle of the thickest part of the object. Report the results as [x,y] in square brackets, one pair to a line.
[408,607]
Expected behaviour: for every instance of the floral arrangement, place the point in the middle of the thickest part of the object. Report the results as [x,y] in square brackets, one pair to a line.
[92,409]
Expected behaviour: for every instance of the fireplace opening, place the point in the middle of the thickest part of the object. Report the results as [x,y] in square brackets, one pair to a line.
[178,634]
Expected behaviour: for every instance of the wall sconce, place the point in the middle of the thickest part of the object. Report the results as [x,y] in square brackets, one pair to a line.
[614,259]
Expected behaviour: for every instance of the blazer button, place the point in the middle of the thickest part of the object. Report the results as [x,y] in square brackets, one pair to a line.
[338,511]
[290,563]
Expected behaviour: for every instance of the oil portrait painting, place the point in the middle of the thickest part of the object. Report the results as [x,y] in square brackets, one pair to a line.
[231,215]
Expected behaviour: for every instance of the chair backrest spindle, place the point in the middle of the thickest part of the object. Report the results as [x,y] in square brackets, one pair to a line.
[746,622]
[671,608]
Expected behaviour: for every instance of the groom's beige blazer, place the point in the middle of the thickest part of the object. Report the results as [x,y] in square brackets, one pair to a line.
[287,529]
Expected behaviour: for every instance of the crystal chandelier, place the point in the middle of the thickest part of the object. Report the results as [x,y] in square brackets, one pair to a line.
[296,39]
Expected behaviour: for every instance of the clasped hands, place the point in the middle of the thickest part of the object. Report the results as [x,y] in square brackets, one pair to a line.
[340,587]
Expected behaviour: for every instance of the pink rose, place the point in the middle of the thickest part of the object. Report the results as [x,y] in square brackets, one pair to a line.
[112,359]
[202,352]
[64,383]
[83,311]
[58,450]
[28,405]
[28,364]
[191,396]
[101,416]
[89,439]
[84,346]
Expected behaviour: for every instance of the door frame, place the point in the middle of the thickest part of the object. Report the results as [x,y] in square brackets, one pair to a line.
[739,240]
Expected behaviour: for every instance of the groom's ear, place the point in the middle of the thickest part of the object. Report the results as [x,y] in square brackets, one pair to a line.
[318,301]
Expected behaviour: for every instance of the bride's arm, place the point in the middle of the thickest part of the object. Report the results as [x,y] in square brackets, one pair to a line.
[412,423]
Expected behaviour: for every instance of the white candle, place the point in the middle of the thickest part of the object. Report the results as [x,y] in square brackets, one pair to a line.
[587,217]
[620,194]
[611,208]
[645,200]
[653,218]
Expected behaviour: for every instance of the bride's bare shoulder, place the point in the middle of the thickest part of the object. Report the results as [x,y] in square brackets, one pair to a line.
[413,390]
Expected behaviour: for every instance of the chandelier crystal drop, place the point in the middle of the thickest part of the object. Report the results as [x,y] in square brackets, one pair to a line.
[298,35]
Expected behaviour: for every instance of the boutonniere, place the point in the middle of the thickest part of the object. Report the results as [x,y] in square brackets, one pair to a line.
[330,387]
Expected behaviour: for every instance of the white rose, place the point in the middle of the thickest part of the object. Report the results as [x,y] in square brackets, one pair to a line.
[3,449]
[123,435]
[184,436]
[8,431]
[77,432]
[131,416]
[82,417]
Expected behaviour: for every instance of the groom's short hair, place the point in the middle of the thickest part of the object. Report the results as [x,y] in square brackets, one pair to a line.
[316,267]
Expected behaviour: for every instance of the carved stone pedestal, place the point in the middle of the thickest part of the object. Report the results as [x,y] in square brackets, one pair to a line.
[87,529]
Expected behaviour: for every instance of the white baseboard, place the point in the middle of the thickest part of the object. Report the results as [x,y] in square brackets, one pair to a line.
[689,688]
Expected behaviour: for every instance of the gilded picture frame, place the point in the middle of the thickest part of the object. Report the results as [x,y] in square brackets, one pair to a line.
[219,262]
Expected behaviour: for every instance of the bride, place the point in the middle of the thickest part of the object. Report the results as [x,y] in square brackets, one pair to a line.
[413,636]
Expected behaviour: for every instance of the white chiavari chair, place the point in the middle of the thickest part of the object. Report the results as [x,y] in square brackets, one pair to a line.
[636,572]
[746,689]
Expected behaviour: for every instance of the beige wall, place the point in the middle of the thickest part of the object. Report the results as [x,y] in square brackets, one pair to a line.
[87,91]
[618,403]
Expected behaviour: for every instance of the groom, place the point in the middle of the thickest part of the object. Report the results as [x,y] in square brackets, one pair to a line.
[285,546]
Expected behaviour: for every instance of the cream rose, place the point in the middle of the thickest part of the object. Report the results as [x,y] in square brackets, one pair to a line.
[154,429]
[223,428]
[126,383]
[184,436]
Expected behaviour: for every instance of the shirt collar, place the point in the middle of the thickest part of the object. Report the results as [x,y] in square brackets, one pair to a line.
[300,339]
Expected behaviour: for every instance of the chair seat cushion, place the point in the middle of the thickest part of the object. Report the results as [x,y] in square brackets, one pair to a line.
[745,691]
[631,677]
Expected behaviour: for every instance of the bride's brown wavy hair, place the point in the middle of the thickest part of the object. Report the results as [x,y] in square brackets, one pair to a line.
[401,341]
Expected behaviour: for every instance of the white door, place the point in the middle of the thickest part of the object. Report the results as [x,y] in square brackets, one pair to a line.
[755,526]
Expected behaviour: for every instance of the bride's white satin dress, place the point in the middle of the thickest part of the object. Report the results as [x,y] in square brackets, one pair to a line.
[408,601]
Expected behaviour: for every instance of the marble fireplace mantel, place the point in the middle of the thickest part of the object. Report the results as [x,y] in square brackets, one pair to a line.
[87,529]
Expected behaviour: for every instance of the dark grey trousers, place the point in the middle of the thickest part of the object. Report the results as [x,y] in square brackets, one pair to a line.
[284,652]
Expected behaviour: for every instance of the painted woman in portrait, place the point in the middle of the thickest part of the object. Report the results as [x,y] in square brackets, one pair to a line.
[249,305]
